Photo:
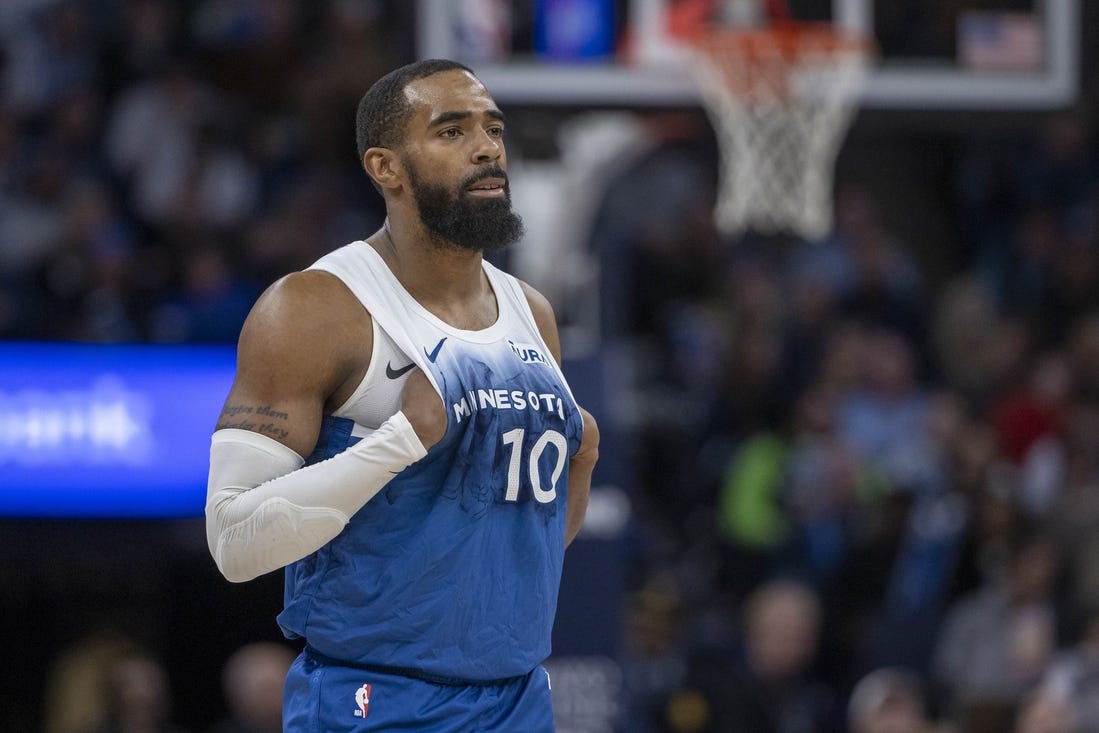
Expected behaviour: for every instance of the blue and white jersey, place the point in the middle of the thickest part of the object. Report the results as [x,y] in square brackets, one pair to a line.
[453,569]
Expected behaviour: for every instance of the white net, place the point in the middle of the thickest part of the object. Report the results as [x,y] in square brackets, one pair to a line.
[781,104]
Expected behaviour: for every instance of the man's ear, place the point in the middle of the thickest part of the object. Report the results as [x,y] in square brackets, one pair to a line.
[383,166]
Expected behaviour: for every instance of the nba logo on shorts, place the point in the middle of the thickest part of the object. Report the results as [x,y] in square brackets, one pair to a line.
[362,700]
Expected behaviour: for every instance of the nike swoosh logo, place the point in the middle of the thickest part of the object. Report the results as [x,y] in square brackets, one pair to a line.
[434,354]
[397,373]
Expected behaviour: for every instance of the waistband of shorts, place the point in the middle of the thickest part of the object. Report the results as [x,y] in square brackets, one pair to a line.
[411,672]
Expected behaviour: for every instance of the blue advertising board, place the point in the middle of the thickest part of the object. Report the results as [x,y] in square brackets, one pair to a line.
[90,430]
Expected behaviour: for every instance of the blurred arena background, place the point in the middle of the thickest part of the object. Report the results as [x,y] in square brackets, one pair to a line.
[841,479]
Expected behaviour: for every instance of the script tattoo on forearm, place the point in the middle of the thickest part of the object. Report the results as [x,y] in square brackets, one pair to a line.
[261,419]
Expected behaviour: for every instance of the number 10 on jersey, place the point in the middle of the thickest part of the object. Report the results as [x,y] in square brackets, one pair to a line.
[513,439]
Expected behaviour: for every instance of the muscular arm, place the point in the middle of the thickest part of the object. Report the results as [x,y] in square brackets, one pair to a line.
[305,339]
[302,348]
[582,463]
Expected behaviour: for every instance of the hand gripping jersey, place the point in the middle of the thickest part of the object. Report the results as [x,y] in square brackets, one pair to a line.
[453,569]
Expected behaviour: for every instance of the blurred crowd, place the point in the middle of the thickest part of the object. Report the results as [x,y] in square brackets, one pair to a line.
[161,162]
[109,683]
[870,495]
[867,498]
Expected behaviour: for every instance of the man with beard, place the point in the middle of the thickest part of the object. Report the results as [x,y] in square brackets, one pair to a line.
[400,437]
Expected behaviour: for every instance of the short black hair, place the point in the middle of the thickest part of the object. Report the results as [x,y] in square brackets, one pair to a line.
[384,111]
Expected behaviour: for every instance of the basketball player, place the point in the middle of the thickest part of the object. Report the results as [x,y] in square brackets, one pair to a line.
[446,465]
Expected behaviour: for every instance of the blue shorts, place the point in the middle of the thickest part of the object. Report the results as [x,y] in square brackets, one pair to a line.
[329,698]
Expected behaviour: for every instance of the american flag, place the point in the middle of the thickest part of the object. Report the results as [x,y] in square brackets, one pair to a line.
[999,41]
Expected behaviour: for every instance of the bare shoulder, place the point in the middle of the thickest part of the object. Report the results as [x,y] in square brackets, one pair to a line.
[307,327]
[311,293]
[306,307]
[544,317]
[538,302]
[305,340]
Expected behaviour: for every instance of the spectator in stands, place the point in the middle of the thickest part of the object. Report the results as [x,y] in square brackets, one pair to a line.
[772,689]
[995,642]
[1071,681]
[886,419]
[888,700]
[655,652]
[1041,711]
[211,302]
[138,697]
[252,684]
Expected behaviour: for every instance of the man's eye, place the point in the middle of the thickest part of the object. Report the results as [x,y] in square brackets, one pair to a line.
[496,131]
[451,132]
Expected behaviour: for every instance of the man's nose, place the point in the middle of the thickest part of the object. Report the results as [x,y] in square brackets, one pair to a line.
[488,148]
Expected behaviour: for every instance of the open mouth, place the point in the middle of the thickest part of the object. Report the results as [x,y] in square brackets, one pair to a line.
[488,188]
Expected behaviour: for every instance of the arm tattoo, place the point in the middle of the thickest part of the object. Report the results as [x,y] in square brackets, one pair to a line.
[260,419]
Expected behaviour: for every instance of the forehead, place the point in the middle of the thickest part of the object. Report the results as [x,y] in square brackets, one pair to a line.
[447,91]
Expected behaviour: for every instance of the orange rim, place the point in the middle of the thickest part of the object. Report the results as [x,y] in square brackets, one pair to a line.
[785,41]
[759,61]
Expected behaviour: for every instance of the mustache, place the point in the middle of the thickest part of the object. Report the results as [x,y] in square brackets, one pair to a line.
[493,171]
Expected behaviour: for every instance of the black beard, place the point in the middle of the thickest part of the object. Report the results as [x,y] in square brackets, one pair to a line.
[467,222]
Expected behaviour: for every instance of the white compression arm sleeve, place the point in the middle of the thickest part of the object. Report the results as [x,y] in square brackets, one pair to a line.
[264,511]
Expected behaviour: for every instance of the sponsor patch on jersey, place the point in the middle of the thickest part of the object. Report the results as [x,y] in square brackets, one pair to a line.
[528,353]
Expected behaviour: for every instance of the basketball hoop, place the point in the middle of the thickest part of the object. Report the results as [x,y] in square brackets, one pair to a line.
[781,100]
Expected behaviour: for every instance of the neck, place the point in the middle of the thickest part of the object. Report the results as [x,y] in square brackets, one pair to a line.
[432,270]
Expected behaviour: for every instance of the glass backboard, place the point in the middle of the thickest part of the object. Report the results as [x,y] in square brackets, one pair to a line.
[955,54]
